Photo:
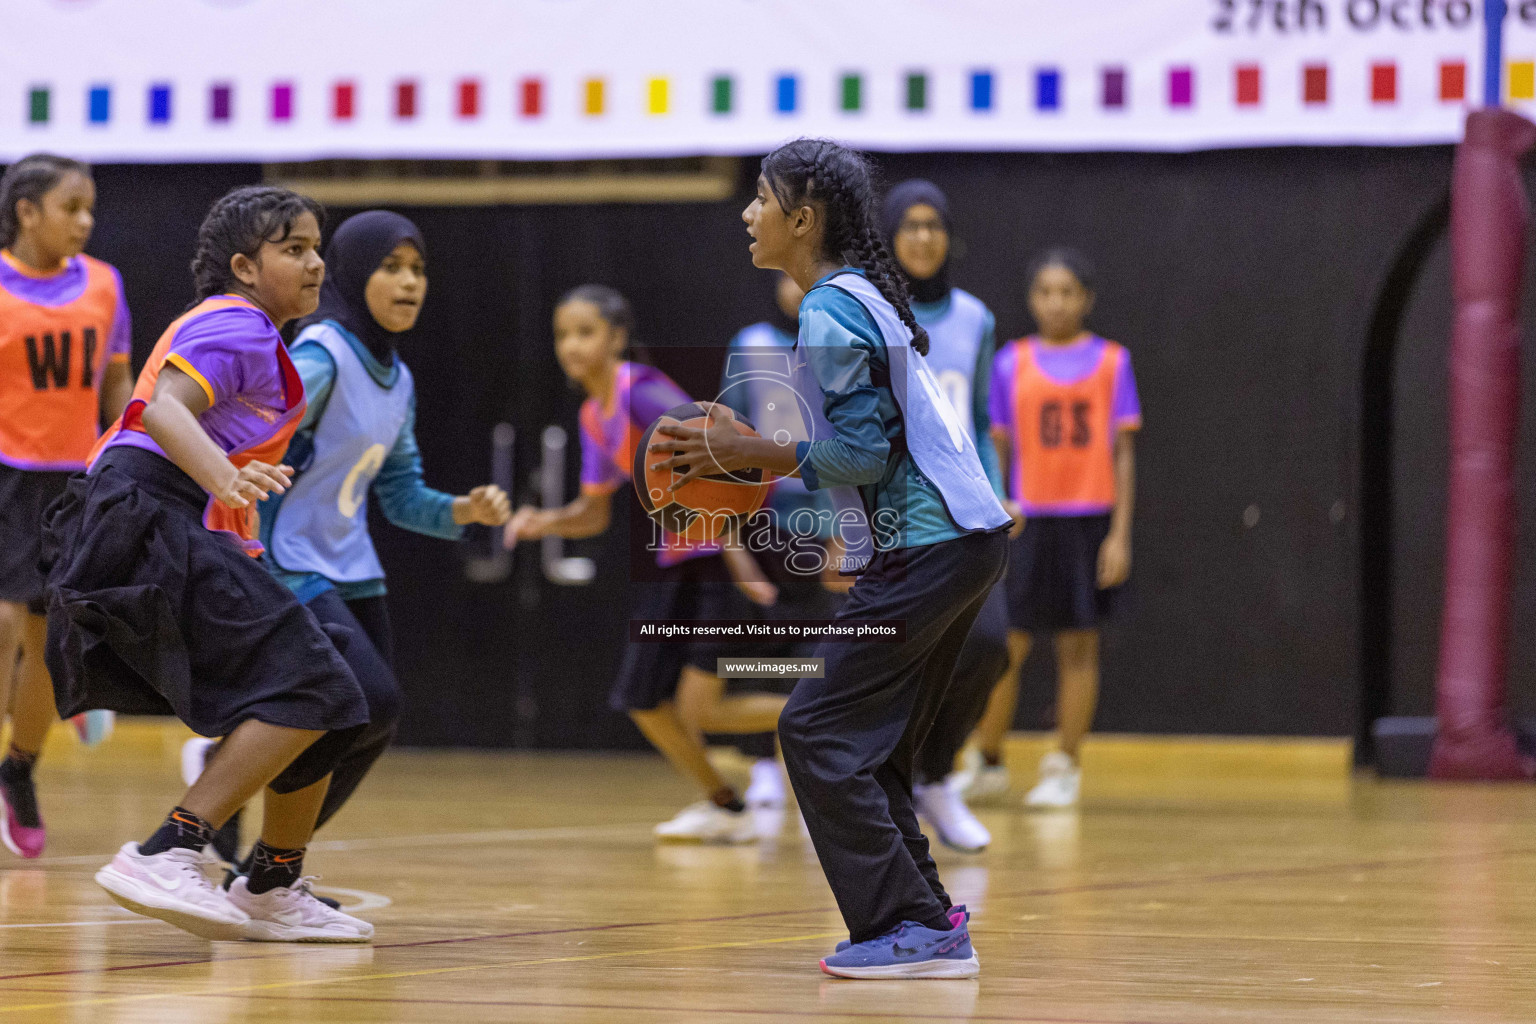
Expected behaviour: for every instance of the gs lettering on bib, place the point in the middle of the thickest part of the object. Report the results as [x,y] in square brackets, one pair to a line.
[1064,429]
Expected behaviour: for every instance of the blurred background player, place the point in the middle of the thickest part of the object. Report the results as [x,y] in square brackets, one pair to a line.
[593,325]
[754,383]
[358,435]
[1064,412]
[962,340]
[65,342]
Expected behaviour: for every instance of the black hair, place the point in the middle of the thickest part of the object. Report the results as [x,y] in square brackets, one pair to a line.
[239,223]
[842,184]
[31,178]
[1068,259]
[613,307]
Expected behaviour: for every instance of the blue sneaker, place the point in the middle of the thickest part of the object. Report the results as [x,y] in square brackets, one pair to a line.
[908,951]
[957,916]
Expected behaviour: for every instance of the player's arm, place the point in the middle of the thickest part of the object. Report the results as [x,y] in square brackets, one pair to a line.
[587,516]
[1115,554]
[116,389]
[170,419]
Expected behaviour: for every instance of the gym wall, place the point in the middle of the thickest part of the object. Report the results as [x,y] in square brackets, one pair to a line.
[1243,283]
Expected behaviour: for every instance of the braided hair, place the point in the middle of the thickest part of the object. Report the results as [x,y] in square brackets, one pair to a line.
[31,178]
[841,184]
[239,223]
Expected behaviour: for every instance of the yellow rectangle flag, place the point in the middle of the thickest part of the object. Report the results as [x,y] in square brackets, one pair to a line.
[657,96]
[1522,80]
[594,91]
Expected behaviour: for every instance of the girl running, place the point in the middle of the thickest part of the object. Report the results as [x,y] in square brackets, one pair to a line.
[358,434]
[64,346]
[919,519]
[592,330]
[962,338]
[1064,415]
[156,605]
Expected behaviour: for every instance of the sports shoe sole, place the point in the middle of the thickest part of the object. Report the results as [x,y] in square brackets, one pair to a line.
[266,931]
[130,893]
[938,969]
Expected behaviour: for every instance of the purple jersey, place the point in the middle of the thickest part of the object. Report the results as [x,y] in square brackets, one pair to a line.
[1065,364]
[233,354]
[611,433]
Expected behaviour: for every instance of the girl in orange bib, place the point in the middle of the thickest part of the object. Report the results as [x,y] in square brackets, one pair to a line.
[64,346]
[1064,414]
[156,603]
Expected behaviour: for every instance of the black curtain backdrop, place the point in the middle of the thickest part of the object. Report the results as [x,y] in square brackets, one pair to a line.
[1243,283]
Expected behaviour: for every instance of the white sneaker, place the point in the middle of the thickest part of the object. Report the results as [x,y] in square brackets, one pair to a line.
[1060,780]
[171,886]
[293,914]
[704,822]
[767,786]
[978,782]
[956,826]
[194,755]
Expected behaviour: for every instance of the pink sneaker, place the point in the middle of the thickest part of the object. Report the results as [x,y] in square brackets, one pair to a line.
[22,826]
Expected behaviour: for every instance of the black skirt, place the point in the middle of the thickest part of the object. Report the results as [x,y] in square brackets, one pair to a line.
[24,494]
[149,612]
[1053,574]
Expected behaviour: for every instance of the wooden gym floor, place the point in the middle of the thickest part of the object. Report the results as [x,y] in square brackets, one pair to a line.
[1201,882]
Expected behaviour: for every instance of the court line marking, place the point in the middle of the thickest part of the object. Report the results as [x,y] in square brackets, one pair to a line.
[81,924]
[365,900]
[418,973]
[714,1010]
[1123,885]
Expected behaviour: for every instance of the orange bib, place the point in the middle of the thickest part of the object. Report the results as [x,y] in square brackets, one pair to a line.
[51,364]
[241,523]
[1064,447]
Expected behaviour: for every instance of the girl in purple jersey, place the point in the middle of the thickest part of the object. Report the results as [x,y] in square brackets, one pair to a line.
[156,603]
[64,346]
[693,581]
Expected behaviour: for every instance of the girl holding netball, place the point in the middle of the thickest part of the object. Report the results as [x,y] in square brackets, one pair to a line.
[1064,416]
[156,603]
[592,329]
[920,524]
[64,347]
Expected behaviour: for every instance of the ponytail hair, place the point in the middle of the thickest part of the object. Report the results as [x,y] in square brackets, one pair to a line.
[841,184]
[239,223]
[31,178]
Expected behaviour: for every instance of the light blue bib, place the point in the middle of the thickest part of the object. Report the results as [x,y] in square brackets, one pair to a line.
[936,438]
[954,345]
[321,525]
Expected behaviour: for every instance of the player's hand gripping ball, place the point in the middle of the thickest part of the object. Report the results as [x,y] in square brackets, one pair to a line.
[705,507]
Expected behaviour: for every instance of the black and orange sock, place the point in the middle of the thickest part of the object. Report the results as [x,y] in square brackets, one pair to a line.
[181,829]
[726,797]
[272,868]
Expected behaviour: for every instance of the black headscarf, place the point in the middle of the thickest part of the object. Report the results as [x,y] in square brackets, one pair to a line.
[898,201]
[356,250]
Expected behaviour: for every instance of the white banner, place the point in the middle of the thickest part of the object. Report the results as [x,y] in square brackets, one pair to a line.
[171,80]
